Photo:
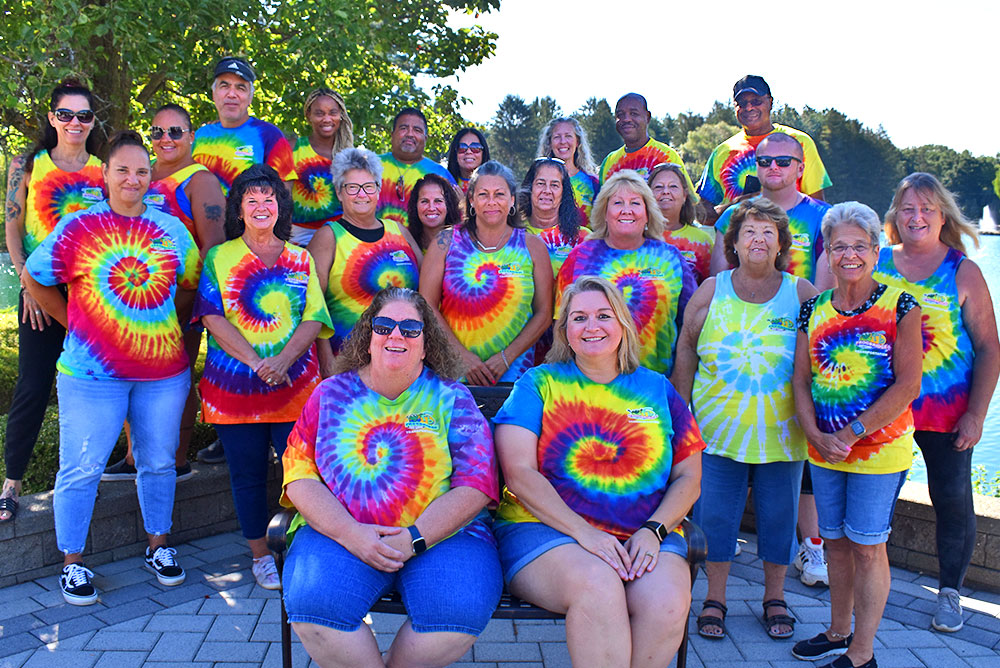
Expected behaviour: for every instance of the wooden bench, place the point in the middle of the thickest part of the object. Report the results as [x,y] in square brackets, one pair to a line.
[489,400]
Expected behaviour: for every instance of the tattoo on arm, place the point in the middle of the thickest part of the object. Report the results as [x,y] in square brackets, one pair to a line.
[442,240]
[14,209]
[213,212]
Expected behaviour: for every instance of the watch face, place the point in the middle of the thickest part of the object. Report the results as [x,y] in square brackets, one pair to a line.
[857,428]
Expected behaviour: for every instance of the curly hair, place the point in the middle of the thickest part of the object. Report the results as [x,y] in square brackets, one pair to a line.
[758,208]
[569,217]
[264,179]
[355,158]
[927,186]
[687,209]
[453,167]
[630,180]
[582,158]
[453,215]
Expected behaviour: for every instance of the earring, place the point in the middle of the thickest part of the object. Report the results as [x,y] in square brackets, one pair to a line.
[512,210]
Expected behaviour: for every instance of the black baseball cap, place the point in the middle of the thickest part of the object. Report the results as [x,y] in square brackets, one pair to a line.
[236,66]
[751,83]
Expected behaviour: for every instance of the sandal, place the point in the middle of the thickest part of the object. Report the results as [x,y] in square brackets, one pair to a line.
[8,504]
[712,620]
[771,621]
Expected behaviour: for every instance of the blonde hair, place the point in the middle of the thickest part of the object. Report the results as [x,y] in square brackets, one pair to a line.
[928,186]
[626,179]
[345,132]
[628,349]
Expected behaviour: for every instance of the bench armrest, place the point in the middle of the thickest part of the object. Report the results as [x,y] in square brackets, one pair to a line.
[697,544]
[277,530]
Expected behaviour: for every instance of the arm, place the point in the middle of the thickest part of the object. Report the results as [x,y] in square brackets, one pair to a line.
[719,261]
[708,213]
[323,247]
[818,195]
[825,280]
[17,195]
[977,315]
[48,297]
[184,303]
[413,244]
[686,359]
[444,516]
[208,207]
[277,366]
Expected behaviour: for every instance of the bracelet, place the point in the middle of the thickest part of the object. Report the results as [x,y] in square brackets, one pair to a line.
[503,354]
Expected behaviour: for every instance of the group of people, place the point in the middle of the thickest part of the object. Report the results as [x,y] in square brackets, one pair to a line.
[655,365]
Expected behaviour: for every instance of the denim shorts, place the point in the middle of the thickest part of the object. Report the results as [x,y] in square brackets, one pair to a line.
[856,505]
[454,586]
[523,542]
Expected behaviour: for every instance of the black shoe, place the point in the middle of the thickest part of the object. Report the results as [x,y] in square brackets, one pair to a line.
[844,662]
[76,586]
[183,472]
[213,454]
[164,564]
[121,470]
[818,647]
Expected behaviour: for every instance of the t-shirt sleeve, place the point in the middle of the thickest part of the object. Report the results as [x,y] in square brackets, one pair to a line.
[805,312]
[904,305]
[722,224]
[299,460]
[190,257]
[687,438]
[524,404]
[51,262]
[209,298]
[316,309]
[814,175]
[281,158]
[708,188]
[470,441]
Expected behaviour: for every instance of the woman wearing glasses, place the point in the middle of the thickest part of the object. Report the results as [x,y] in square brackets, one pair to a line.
[468,150]
[359,254]
[391,466]
[58,176]
[565,138]
[260,300]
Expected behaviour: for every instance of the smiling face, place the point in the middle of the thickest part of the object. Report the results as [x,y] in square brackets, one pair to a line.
[324,117]
[668,189]
[361,206]
[127,175]
[564,142]
[408,138]
[592,329]
[919,218]
[469,158]
[73,132]
[393,353]
[632,121]
[851,255]
[492,200]
[758,242]
[753,112]
[259,209]
[169,150]
[232,95]
[432,208]
[546,189]
[626,218]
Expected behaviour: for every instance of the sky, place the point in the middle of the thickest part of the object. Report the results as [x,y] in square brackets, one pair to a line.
[925,71]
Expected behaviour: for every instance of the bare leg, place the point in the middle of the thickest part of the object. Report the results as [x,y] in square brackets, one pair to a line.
[808,521]
[871,590]
[330,648]
[718,574]
[658,605]
[426,650]
[774,588]
[258,548]
[840,562]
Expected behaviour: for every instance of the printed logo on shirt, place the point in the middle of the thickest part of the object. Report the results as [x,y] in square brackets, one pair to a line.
[875,342]
[511,269]
[689,256]
[297,278]
[562,251]
[421,422]
[644,414]
[92,193]
[245,151]
[400,257]
[781,325]
[651,272]
[154,199]
[935,300]
[163,244]
[800,241]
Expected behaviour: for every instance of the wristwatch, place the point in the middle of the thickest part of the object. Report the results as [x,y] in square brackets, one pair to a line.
[418,543]
[858,428]
[657,528]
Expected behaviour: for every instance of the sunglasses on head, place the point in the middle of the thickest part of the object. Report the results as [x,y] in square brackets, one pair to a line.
[65,115]
[409,328]
[474,147]
[782,160]
[174,132]
[547,158]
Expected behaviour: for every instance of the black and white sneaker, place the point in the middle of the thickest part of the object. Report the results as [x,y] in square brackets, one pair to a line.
[164,564]
[820,647]
[77,589]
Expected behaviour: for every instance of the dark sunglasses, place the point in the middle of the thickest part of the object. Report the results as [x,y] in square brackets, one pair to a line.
[474,147]
[782,160]
[409,328]
[174,132]
[65,115]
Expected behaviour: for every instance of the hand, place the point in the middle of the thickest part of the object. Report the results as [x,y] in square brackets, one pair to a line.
[34,314]
[644,551]
[273,370]
[365,542]
[401,542]
[970,430]
[497,366]
[476,371]
[326,368]
[832,447]
[607,547]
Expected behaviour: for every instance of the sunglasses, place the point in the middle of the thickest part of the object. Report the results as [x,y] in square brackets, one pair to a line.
[545,158]
[782,160]
[65,115]
[174,132]
[474,147]
[409,328]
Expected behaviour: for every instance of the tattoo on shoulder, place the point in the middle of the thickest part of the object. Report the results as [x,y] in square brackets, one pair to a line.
[213,212]
[443,239]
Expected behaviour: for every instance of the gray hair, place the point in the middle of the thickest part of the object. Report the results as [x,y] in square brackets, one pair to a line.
[355,158]
[249,83]
[852,213]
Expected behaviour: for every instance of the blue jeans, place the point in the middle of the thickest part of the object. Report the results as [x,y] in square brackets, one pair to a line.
[719,510]
[91,415]
[248,454]
[858,506]
[454,586]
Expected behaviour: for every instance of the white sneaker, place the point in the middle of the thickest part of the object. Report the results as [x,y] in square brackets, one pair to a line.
[266,573]
[811,562]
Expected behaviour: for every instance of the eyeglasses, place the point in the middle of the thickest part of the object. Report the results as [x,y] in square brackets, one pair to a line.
[174,132]
[782,160]
[409,328]
[370,188]
[474,147]
[65,115]
[859,249]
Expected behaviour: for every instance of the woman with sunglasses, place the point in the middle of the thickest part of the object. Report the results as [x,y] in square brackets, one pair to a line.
[468,150]
[260,300]
[359,254]
[433,207]
[565,138]
[58,176]
[390,467]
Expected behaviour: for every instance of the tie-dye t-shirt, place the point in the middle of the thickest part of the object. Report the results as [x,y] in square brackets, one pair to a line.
[585,187]
[167,195]
[360,269]
[398,179]
[607,449]
[851,358]
[805,225]
[742,395]
[385,459]
[695,244]
[122,273]
[557,244]
[656,282]
[228,151]
[948,352]
[486,297]
[53,194]
[734,160]
[266,305]
[314,199]
[649,156]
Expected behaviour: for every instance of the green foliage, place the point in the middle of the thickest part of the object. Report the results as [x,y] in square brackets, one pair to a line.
[968,177]
[700,143]
[984,483]
[598,121]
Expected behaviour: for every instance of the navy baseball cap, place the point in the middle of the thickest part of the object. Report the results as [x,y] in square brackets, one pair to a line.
[751,83]
[236,66]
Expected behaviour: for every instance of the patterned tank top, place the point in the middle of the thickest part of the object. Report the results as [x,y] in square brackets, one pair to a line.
[53,193]
[167,195]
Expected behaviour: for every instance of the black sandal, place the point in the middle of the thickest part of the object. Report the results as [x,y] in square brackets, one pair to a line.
[771,621]
[8,504]
[711,620]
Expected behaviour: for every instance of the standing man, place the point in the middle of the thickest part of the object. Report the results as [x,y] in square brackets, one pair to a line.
[405,164]
[237,140]
[732,161]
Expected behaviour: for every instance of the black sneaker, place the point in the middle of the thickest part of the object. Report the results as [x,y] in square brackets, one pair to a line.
[184,472]
[818,647]
[76,586]
[119,471]
[213,454]
[844,662]
[164,564]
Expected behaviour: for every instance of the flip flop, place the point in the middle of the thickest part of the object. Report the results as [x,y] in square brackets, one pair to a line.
[712,620]
[771,621]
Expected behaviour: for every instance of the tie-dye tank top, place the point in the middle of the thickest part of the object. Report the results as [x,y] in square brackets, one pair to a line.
[167,195]
[557,244]
[53,194]
[585,187]
[695,244]
[948,353]
[314,200]
[742,396]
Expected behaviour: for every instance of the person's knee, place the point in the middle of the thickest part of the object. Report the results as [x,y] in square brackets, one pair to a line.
[596,586]
[866,556]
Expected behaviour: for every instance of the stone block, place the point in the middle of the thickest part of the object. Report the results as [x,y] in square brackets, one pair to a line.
[176,646]
[231,651]
[121,660]
[232,627]
[106,640]
[501,651]
[44,658]
[118,529]
[18,555]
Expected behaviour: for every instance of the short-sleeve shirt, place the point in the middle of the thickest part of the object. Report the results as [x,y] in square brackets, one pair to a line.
[266,305]
[122,273]
[54,194]
[556,243]
[695,243]
[607,449]
[385,459]
[643,160]
[227,152]
[398,179]
[585,188]
[734,160]
[167,195]
[314,199]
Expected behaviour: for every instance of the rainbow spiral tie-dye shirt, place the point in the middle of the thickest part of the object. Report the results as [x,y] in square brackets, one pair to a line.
[948,351]
[360,269]
[227,152]
[607,449]
[122,274]
[266,305]
[557,244]
[398,179]
[54,194]
[167,195]
[643,160]
[695,243]
[656,282]
[735,159]
[314,199]
[585,188]
[385,459]
[851,358]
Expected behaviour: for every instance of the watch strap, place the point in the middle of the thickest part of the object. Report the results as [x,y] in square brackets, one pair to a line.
[417,541]
[657,528]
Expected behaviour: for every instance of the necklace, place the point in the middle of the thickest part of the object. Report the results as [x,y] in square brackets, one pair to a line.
[490,249]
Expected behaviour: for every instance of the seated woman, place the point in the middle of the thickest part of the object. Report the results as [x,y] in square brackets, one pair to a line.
[602,461]
[857,368]
[432,208]
[677,202]
[391,465]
